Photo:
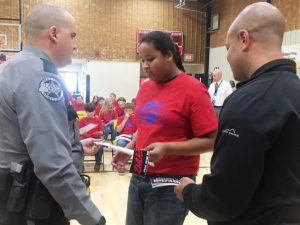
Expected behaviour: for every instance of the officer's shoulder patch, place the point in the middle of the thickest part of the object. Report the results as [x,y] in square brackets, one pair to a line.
[51,89]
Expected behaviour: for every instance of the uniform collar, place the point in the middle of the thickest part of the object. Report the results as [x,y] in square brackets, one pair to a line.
[37,52]
[49,66]
[275,65]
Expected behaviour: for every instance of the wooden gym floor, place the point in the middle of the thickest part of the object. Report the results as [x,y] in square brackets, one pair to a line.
[109,190]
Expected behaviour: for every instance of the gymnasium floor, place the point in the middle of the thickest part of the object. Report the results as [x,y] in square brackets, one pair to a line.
[109,191]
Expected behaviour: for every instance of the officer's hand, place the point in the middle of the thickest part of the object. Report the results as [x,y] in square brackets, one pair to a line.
[89,147]
[179,188]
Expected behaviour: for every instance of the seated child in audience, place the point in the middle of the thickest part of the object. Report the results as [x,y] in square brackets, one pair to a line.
[126,126]
[99,106]
[91,127]
[78,104]
[120,107]
[107,117]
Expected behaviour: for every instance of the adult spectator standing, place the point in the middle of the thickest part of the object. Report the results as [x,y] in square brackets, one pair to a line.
[255,170]
[218,90]
[35,147]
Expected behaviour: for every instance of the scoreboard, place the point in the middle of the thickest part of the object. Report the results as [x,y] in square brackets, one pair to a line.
[177,37]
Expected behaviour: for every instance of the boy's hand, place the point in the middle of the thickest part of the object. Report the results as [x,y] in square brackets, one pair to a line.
[119,160]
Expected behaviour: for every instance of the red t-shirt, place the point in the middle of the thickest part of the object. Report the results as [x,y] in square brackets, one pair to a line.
[97,110]
[174,111]
[130,126]
[78,107]
[119,110]
[115,103]
[93,133]
[108,116]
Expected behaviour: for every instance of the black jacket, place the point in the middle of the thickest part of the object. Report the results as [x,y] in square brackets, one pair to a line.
[255,168]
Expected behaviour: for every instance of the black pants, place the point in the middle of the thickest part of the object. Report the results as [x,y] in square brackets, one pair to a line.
[57,217]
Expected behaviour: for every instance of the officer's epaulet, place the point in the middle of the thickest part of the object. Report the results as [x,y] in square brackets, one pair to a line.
[49,66]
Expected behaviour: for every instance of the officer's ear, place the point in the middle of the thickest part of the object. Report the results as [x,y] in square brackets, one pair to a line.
[52,32]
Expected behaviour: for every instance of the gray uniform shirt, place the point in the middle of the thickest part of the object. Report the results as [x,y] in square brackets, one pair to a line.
[34,124]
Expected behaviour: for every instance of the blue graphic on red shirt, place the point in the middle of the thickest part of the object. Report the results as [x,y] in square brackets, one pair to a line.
[128,124]
[151,113]
[110,117]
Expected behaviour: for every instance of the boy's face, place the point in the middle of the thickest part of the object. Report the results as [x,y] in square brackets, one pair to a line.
[90,114]
[128,111]
[121,103]
[79,100]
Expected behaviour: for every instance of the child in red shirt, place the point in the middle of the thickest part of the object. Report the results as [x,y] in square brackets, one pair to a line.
[126,126]
[78,104]
[176,123]
[107,117]
[91,127]
[120,107]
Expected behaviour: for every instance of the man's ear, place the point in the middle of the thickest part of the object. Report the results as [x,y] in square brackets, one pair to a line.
[244,37]
[52,32]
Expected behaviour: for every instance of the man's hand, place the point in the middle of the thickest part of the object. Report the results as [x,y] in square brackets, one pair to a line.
[89,147]
[179,188]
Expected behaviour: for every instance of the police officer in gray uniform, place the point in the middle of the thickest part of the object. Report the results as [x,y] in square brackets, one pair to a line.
[35,147]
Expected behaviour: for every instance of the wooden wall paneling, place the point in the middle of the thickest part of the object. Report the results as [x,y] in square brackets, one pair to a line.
[298,13]
[106,30]
[229,9]
[167,15]
[10,10]
[291,11]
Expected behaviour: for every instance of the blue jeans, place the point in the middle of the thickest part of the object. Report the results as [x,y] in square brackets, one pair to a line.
[153,206]
[99,154]
[107,129]
[122,142]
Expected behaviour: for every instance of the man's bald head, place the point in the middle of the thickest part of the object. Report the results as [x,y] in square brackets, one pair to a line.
[254,39]
[42,16]
[217,75]
[262,20]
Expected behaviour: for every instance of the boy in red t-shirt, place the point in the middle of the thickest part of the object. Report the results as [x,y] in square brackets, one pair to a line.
[126,126]
[91,127]
[121,106]
[78,104]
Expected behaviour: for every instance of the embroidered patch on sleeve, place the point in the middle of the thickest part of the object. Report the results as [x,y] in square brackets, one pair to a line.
[51,89]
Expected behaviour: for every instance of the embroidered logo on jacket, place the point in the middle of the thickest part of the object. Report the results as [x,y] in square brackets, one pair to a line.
[51,89]
[231,132]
